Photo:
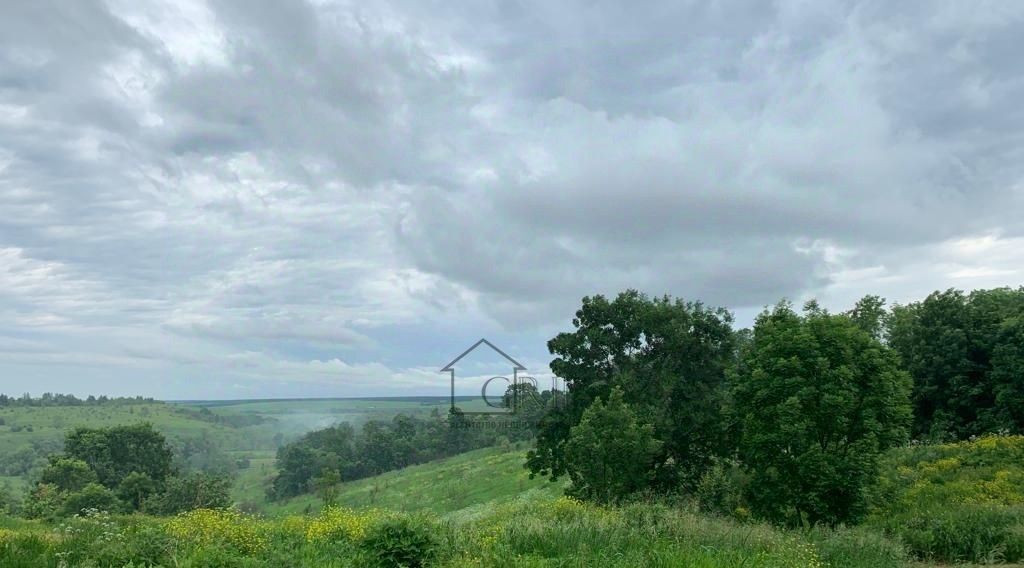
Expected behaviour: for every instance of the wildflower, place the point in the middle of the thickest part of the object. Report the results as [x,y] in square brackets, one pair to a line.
[206,526]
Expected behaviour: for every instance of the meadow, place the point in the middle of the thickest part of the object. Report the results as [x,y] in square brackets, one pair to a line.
[481,509]
[530,530]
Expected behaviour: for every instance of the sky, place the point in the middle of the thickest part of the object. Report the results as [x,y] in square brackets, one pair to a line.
[264,198]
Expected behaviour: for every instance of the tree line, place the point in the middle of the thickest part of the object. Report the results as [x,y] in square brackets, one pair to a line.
[791,416]
[320,459]
[51,399]
[120,469]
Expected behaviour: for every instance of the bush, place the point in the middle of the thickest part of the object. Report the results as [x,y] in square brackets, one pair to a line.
[23,550]
[197,491]
[720,491]
[408,541]
[955,502]
[92,497]
[610,451]
[962,533]
[231,529]
[98,539]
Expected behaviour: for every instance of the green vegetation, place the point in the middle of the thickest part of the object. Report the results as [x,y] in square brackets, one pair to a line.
[483,510]
[668,357]
[121,468]
[325,457]
[611,451]
[817,400]
[560,532]
[966,355]
[473,479]
[955,502]
[682,442]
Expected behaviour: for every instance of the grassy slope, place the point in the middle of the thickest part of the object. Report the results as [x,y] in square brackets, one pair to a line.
[50,424]
[490,475]
[955,502]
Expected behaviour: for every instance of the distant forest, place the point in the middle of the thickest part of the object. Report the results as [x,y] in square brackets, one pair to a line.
[51,399]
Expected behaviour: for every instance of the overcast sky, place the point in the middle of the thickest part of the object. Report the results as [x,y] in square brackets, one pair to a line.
[239,198]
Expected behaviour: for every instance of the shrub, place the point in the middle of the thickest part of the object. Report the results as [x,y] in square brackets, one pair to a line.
[610,451]
[720,491]
[339,523]
[68,474]
[408,541]
[197,491]
[43,502]
[962,533]
[955,502]
[92,497]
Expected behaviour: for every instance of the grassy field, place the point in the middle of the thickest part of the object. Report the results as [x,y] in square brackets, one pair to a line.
[42,429]
[482,477]
[302,415]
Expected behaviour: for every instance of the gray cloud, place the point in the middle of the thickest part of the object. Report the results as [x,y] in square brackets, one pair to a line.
[251,190]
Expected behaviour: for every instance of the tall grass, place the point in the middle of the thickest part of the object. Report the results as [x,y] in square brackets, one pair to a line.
[960,502]
[526,532]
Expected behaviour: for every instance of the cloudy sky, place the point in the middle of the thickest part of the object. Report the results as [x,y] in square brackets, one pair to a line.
[239,198]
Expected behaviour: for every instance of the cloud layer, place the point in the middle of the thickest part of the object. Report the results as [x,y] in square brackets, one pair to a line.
[232,198]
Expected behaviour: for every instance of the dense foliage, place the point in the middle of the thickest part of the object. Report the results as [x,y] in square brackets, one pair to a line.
[340,452]
[955,502]
[121,468]
[668,357]
[966,355]
[611,451]
[810,402]
[817,400]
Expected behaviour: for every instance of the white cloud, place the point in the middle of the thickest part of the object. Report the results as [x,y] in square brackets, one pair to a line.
[277,194]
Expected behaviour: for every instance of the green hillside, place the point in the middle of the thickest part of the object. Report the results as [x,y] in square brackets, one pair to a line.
[28,434]
[490,475]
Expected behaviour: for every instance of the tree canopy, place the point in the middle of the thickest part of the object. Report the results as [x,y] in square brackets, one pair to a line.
[964,353]
[817,400]
[667,356]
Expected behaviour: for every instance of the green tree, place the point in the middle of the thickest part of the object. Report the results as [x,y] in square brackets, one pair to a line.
[326,486]
[869,314]
[115,452]
[8,502]
[44,501]
[611,451]
[669,358]
[92,496]
[135,488]
[817,400]
[67,474]
[949,342]
[1008,375]
[196,491]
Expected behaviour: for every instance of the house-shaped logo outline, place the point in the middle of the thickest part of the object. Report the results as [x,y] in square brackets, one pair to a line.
[516,367]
